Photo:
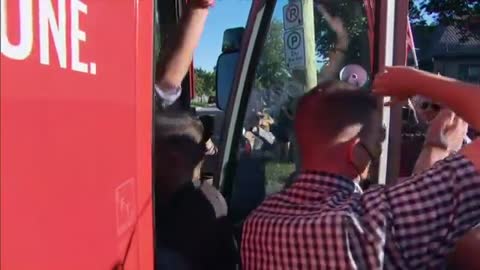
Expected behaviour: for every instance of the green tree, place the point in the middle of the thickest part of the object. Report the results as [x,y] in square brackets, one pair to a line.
[452,12]
[272,69]
[204,82]
[355,21]
[416,15]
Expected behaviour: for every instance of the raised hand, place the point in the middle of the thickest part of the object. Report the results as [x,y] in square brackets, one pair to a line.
[336,23]
[201,3]
[447,131]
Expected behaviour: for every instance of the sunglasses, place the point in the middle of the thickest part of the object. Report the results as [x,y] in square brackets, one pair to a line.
[432,106]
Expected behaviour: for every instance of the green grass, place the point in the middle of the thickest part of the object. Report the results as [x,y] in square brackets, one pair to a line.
[277,173]
[199,104]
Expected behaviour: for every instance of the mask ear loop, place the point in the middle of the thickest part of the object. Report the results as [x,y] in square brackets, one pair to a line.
[350,153]
[350,160]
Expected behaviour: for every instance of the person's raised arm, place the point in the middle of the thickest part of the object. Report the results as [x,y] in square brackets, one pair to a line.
[175,60]
[460,97]
[338,54]
[330,72]
[404,82]
[432,210]
[444,137]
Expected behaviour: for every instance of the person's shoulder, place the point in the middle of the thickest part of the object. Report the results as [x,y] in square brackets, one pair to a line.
[192,201]
[215,198]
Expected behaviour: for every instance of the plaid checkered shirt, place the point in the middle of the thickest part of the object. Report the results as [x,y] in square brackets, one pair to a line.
[325,221]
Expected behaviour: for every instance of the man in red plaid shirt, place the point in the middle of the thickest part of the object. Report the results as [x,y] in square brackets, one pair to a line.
[326,221]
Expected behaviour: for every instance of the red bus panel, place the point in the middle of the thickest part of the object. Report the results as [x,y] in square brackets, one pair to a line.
[76,80]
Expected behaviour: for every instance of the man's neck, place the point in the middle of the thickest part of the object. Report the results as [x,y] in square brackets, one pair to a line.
[330,164]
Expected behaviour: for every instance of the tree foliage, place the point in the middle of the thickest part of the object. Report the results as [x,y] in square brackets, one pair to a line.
[458,13]
[272,69]
[416,15]
[356,24]
[451,12]
[204,82]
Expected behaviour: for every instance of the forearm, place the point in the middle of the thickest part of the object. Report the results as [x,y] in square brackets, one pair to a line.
[428,157]
[176,60]
[337,58]
[462,98]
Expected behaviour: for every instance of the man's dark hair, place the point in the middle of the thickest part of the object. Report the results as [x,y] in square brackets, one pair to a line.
[180,132]
[177,123]
[329,113]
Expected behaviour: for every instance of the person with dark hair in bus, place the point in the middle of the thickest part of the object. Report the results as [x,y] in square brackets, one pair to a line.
[191,216]
[326,221]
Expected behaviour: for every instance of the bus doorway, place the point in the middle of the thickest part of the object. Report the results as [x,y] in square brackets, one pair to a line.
[296,46]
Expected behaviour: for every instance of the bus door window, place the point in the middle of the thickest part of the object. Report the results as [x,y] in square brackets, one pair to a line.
[336,36]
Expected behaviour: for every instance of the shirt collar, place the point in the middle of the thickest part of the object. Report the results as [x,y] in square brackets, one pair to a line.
[329,182]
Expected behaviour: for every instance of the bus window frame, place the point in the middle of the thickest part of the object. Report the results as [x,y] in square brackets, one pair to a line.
[253,40]
[390,40]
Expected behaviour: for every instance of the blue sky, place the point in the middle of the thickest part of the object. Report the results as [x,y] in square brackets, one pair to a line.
[226,14]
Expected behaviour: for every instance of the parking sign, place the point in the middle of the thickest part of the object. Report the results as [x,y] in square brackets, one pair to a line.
[294,49]
[292,15]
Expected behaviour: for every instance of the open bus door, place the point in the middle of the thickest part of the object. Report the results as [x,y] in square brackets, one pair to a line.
[254,93]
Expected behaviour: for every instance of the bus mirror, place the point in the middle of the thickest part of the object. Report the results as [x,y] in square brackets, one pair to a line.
[225,74]
[232,39]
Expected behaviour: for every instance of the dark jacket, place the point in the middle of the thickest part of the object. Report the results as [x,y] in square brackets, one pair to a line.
[190,225]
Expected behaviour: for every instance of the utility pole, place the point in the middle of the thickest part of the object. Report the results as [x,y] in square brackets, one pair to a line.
[309,34]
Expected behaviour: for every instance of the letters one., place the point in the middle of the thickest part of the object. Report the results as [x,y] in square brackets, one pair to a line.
[52,21]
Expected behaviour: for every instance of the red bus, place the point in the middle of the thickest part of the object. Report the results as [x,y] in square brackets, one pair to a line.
[76,133]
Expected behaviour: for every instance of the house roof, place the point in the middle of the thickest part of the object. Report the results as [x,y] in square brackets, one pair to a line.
[444,41]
